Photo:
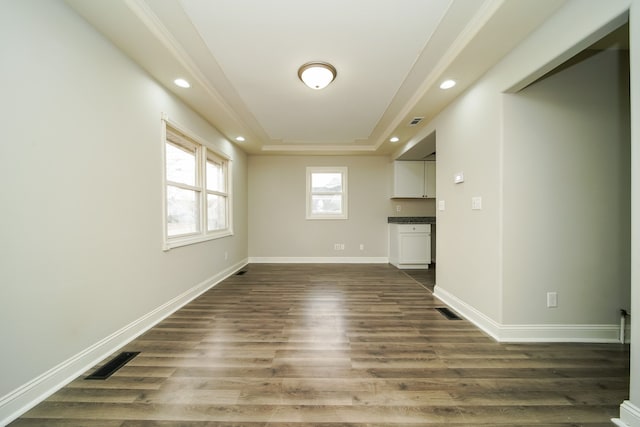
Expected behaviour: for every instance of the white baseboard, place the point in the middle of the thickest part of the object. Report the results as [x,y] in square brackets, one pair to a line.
[629,415]
[318,260]
[530,333]
[488,325]
[25,397]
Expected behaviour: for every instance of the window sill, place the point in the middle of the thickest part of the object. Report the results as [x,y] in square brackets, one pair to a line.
[192,240]
[326,217]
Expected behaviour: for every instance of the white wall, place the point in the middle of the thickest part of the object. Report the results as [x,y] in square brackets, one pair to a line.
[278,230]
[82,199]
[470,138]
[567,183]
[412,207]
[473,124]
[630,410]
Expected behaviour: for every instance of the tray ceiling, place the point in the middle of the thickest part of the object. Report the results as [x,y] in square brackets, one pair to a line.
[242,57]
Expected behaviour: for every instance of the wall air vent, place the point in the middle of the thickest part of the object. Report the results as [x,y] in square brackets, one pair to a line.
[415,121]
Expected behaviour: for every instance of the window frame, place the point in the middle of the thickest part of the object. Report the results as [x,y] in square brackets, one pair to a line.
[177,135]
[343,171]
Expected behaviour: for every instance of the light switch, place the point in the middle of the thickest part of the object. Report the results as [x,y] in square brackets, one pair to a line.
[552,299]
[458,178]
[476,203]
[440,205]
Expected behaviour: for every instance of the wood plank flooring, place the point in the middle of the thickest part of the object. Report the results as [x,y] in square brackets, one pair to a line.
[328,345]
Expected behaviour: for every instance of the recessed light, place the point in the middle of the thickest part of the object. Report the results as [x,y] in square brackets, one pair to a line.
[240,138]
[394,139]
[182,83]
[447,84]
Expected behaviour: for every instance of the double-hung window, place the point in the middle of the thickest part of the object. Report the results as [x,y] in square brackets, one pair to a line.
[217,195]
[197,197]
[327,193]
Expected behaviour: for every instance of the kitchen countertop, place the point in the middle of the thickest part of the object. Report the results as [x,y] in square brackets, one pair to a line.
[411,220]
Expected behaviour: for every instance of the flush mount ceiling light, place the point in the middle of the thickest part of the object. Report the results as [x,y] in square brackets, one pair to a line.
[317,75]
[240,138]
[447,84]
[182,83]
[394,139]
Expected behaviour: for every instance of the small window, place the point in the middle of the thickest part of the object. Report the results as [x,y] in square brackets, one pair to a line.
[327,193]
[197,198]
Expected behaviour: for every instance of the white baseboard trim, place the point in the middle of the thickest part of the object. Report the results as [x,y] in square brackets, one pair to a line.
[318,260]
[530,333]
[488,325]
[629,415]
[25,397]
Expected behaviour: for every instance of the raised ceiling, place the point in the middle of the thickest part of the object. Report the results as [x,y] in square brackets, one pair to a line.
[242,58]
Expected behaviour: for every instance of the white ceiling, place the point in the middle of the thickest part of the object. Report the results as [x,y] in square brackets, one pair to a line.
[242,58]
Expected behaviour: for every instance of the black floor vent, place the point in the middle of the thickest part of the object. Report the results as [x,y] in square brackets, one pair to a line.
[448,313]
[112,366]
[241,272]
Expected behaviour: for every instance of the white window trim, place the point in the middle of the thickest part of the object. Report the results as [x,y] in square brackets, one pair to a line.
[345,199]
[202,145]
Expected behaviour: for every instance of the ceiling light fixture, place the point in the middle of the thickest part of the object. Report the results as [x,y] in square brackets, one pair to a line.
[447,84]
[182,83]
[240,138]
[317,75]
[394,139]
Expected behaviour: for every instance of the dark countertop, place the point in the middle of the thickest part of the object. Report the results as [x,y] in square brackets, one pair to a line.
[411,220]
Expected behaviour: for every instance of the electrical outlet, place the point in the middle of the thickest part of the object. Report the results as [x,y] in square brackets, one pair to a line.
[361,246]
[338,246]
[398,208]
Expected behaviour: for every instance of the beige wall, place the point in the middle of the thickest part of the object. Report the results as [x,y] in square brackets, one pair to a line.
[468,249]
[412,207]
[630,411]
[567,195]
[82,201]
[470,137]
[278,229]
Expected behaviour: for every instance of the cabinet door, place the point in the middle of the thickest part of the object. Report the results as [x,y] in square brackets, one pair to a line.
[415,248]
[408,179]
[430,179]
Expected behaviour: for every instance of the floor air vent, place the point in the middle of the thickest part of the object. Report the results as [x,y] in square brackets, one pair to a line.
[241,272]
[112,366]
[448,313]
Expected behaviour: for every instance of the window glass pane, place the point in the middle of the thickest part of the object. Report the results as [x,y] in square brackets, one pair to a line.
[215,176]
[326,204]
[326,182]
[197,190]
[181,164]
[182,211]
[216,212]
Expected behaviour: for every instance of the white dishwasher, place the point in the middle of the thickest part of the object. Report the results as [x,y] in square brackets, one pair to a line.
[410,245]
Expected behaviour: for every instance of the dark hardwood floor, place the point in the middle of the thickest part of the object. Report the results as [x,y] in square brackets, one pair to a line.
[427,277]
[329,345]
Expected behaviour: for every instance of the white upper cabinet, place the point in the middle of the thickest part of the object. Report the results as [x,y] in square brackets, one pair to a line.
[408,179]
[414,179]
